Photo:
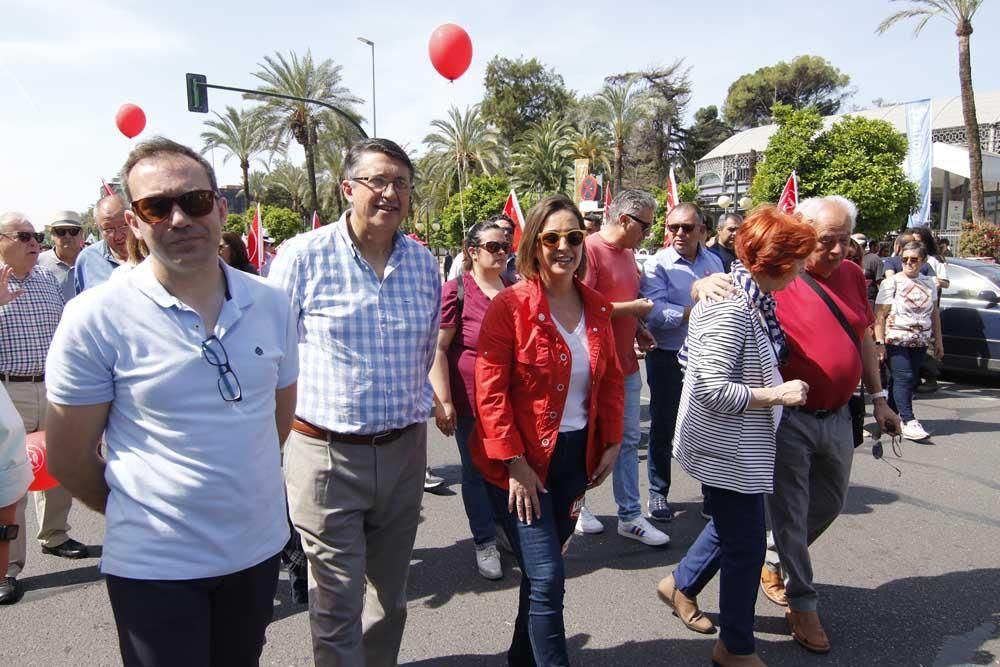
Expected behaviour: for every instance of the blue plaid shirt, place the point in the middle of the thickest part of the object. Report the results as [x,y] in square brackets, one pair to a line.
[365,346]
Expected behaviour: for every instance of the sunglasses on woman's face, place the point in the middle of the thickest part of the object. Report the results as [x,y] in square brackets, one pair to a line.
[154,210]
[63,231]
[26,237]
[574,237]
[493,247]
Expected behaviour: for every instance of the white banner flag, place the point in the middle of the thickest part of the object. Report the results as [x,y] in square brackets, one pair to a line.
[918,158]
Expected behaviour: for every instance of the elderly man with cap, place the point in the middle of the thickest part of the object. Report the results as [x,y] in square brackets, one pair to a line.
[32,305]
[66,231]
[96,262]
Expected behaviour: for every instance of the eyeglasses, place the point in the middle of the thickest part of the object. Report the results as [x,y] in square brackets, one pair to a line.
[896,442]
[155,210]
[642,223]
[215,354]
[26,237]
[574,237]
[380,183]
[830,241]
[911,260]
[63,231]
[688,228]
[493,247]
[114,231]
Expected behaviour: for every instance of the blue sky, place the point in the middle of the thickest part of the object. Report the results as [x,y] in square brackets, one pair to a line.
[67,65]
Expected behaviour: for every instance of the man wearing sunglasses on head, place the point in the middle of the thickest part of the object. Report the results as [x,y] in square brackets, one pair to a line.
[66,231]
[96,262]
[188,367]
[666,281]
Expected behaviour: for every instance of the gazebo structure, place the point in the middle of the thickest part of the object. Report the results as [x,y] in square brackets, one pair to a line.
[726,169]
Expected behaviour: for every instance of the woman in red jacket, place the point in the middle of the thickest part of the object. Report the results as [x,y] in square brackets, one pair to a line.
[550,397]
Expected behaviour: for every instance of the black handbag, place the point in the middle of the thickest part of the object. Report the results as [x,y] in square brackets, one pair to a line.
[856,404]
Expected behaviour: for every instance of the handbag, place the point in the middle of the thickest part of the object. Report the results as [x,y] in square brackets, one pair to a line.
[856,404]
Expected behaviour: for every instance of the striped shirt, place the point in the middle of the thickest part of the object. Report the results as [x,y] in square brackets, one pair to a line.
[720,440]
[365,345]
[28,322]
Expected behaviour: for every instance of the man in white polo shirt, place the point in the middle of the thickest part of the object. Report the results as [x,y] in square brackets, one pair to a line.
[189,369]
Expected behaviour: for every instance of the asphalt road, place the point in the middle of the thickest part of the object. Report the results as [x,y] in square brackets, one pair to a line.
[909,575]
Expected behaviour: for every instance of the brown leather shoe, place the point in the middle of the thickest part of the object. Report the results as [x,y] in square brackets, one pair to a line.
[773,586]
[685,608]
[807,630]
[721,657]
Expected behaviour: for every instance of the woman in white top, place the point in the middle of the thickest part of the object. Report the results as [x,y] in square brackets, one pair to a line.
[907,321]
[725,438]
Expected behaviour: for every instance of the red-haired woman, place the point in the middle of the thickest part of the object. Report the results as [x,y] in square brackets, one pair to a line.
[730,409]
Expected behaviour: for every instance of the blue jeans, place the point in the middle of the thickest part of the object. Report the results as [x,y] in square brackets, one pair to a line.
[734,542]
[625,477]
[904,362]
[539,633]
[665,378]
[477,503]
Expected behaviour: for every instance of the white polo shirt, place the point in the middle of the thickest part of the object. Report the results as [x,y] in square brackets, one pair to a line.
[196,485]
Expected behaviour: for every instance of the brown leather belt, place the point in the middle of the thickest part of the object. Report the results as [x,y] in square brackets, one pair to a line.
[7,377]
[370,439]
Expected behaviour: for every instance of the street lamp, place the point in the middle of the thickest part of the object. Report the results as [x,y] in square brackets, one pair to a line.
[745,202]
[724,202]
[374,120]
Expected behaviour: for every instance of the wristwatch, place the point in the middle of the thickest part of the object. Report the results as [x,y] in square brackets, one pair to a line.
[8,532]
[880,394]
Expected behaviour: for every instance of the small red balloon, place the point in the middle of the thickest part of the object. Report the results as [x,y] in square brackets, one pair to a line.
[130,119]
[36,456]
[450,49]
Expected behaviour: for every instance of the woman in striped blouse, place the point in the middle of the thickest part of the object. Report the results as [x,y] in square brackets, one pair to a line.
[730,409]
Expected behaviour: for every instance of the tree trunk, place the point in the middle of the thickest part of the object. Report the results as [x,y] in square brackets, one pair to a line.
[619,165]
[964,31]
[245,166]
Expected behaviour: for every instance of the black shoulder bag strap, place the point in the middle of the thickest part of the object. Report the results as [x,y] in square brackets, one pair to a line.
[460,294]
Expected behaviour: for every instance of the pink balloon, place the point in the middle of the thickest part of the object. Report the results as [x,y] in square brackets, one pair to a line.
[450,49]
[37,457]
[130,119]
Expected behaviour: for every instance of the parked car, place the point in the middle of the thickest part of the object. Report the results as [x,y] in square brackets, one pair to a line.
[970,317]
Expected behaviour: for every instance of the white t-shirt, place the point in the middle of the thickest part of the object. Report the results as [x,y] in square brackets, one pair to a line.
[15,471]
[195,480]
[909,323]
[576,410]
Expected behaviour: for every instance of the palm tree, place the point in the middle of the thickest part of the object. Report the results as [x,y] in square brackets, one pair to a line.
[243,136]
[302,77]
[959,13]
[542,159]
[620,105]
[331,160]
[293,181]
[591,144]
[462,145]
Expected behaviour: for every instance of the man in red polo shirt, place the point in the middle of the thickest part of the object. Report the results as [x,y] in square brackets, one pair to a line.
[815,443]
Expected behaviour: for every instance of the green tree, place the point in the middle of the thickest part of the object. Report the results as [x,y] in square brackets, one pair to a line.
[591,143]
[521,93]
[280,223]
[303,77]
[235,223]
[790,149]
[806,81]
[541,161]
[620,106]
[959,13]
[483,196]
[292,181]
[707,132]
[242,134]
[462,143]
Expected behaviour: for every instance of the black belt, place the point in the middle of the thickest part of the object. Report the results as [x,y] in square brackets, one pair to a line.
[372,439]
[818,414]
[7,377]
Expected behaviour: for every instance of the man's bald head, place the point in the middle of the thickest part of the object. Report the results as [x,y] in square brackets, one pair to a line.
[109,214]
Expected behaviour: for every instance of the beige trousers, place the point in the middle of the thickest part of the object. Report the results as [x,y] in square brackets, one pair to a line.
[52,506]
[357,509]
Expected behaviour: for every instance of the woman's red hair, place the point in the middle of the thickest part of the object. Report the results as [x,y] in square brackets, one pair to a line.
[770,241]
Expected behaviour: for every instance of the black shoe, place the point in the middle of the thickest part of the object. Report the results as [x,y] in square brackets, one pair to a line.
[431,481]
[68,549]
[659,509]
[299,584]
[10,590]
[926,387]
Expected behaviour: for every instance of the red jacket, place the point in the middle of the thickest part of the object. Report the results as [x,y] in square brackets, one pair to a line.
[522,377]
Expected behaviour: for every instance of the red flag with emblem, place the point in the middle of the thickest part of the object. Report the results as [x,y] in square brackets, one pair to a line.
[255,241]
[512,209]
[789,198]
[316,223]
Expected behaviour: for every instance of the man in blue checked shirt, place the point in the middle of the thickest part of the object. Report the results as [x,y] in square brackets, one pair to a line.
[367,301]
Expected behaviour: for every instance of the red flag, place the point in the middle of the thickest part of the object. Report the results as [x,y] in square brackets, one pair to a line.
[672,198]
[255,241]
[607,202]
[789,198]
[512,209]
[316,223]
[107,188]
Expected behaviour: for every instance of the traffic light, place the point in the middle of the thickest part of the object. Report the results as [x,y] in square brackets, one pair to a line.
[197,93]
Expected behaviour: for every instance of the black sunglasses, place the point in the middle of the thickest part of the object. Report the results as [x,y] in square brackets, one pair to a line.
[215,354]
[688,228]
[63,231]
[642,223]
[574,237]
[493,247]
[154,210]
[26,237]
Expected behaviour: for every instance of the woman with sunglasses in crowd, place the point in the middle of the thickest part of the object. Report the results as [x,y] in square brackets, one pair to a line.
[907,321]
[233,252]
[549,403]
[464,301]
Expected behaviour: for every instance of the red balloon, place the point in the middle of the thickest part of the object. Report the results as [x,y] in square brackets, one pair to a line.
[36,456]
[450,49]
[130,119]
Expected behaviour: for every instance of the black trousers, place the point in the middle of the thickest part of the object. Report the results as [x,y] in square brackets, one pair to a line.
[666,380]
[211,622]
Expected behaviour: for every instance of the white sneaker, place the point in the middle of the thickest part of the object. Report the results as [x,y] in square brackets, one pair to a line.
[912,430]
[587,523]
[488,562]
[642,530]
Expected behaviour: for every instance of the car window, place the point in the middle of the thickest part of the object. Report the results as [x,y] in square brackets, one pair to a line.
[965,284]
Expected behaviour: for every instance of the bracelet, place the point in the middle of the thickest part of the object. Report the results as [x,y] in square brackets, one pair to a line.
[883,394]
[512,460]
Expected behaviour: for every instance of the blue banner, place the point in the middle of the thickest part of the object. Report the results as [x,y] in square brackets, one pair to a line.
[918,158]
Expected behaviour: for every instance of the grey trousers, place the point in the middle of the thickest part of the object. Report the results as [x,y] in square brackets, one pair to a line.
[356,508]
[812,470]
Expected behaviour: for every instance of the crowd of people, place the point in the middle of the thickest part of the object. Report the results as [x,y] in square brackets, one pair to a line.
[223,422]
